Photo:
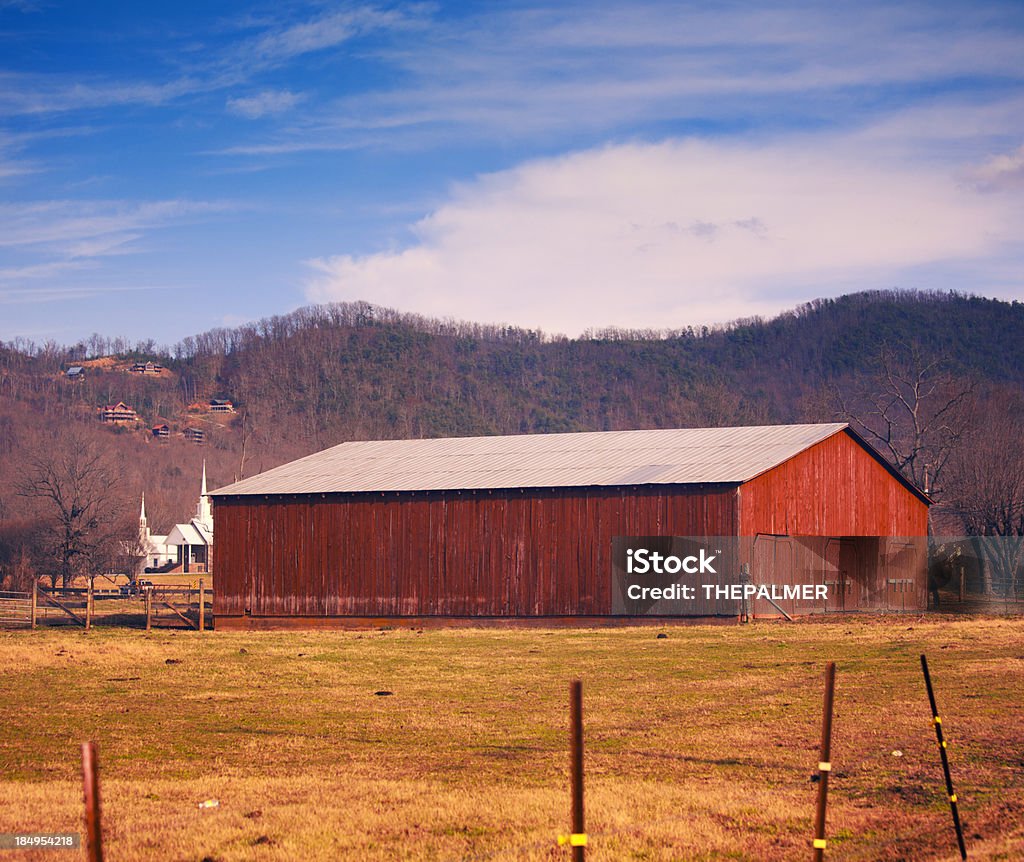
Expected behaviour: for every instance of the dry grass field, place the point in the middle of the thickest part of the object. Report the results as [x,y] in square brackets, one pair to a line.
[700,745]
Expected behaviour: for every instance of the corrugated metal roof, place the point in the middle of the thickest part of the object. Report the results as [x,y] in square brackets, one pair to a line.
[608,458]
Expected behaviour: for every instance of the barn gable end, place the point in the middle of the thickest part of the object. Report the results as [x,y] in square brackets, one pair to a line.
[837,487]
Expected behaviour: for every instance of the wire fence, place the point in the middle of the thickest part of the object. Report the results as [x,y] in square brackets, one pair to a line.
[577,840]
[976,574]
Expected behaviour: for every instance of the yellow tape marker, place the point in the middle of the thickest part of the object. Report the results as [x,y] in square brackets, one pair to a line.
[577,839]
[952,798]
[944,744]
[824,767]
[820,843]
[938,720]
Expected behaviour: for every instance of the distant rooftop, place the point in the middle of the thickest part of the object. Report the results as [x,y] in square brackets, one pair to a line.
[605,458]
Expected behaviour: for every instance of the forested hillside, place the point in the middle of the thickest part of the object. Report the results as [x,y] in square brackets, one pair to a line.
[326,374]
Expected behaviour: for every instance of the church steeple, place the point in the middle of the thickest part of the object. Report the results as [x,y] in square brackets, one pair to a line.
[143,522]
[203,513]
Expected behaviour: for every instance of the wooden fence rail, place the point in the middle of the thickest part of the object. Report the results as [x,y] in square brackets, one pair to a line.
[160,605]
[16,610]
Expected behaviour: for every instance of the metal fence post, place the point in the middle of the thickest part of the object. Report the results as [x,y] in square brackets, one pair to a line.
[951,795]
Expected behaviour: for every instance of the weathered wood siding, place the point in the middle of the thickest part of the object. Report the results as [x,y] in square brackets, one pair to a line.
[835,488]
[479,553]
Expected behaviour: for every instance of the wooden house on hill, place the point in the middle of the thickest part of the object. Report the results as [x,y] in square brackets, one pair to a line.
[145,368]
[221,405]
[119,414]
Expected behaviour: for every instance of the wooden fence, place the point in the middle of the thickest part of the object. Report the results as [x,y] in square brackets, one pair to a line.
[154,606]
[15,610]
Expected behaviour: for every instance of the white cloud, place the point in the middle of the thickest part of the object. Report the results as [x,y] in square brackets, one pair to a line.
[1002,172]
[675,233]
[264,103]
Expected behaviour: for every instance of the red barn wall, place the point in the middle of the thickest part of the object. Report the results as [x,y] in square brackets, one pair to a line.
[483,553]
[835,488]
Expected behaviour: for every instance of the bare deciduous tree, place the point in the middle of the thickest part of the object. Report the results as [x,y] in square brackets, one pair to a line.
[986,480]
[75,483]
[914,410]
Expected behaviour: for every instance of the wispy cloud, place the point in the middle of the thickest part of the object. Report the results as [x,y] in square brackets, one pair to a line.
[36,93]
[39,270]
[61,250]
[319,33]
[202,69]
[264,103]
[33,295]
[675,233]
[11,163]
[1003,172]
[514,75]
[92,228]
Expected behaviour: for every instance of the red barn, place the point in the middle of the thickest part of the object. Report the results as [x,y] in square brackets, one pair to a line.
[521,527]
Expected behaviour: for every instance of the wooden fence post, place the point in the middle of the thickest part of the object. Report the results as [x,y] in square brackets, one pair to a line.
[202,605]
[88,606]
[825,763]
[577,838]
[579,848]
[149,608]
[91,790]
[35,601]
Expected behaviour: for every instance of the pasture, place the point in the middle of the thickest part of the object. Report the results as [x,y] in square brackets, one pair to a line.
[700,745]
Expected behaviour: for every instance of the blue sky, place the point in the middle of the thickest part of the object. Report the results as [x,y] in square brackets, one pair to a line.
[169,168]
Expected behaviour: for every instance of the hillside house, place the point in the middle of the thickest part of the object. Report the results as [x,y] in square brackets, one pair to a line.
[195,435]
[162,432]
[75,372]
[145,368]
[118,414]
[221,405]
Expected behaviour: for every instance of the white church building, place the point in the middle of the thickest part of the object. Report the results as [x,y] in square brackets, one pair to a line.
[187,548]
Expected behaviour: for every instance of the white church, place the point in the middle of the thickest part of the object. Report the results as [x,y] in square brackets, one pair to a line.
[187,548]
